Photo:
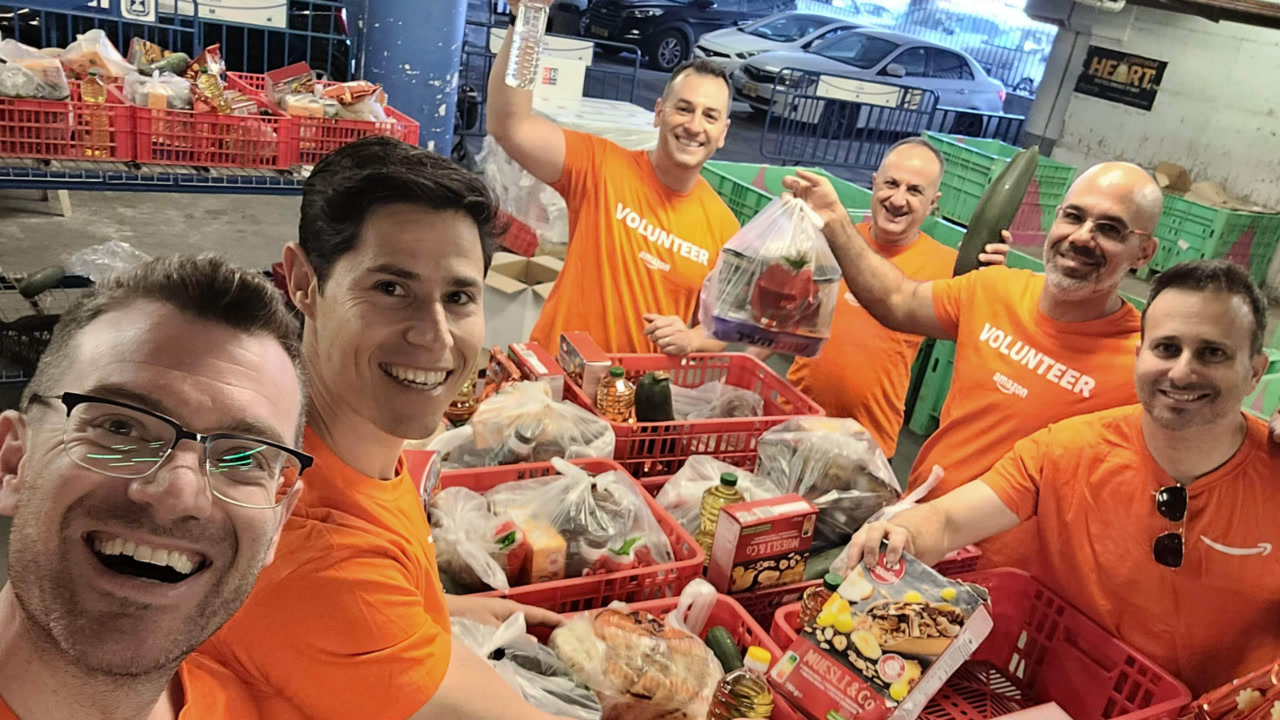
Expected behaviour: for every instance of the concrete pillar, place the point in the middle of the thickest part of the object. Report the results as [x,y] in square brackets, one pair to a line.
[412,48]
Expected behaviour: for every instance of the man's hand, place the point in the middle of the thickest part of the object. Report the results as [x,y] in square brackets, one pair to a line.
[818,193]
[670,334]
[865,545]
[997,253]
[495,611]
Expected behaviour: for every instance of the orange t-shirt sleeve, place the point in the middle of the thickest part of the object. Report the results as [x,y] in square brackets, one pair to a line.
[1016,477]
[950,296]
[583,155]
[349,637]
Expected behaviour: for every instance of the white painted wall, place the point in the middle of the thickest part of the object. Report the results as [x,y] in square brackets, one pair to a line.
[1217,112]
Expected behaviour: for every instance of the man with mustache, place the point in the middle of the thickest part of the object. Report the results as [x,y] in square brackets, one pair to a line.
[645,228]
[148,473]
[1158,519]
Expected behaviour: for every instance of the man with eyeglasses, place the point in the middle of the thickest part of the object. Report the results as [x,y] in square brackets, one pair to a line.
[1157,520]
[148,473]
[1031,348]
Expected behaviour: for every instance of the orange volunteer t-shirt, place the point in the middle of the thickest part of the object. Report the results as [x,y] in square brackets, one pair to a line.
[1016,371]
[864,368]
[1091,483]
[349,620]
[635,247]
[210,692]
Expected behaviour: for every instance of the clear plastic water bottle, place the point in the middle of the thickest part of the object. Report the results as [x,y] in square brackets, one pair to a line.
[526,46]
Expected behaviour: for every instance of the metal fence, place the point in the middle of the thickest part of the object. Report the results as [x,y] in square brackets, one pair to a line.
[818,120]
[325,34]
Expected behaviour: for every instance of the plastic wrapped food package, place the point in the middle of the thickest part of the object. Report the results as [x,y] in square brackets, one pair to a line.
[475,549]
[681,496]
[641,667]
[523,424]
[29,73]
[715,400]
[164,91]
[833,463]
[100,261]
[542,679]
[1255,696]
[775,284]
[527,199]
[604,520]
[93,51]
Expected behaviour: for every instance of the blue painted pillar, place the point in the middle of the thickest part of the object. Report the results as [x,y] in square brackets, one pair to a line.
[412,48]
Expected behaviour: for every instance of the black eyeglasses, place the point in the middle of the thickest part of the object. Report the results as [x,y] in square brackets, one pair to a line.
[1171,503]
[122,440]
[1105,229]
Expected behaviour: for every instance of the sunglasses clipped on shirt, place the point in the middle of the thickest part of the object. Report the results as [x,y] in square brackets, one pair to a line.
[1171,503]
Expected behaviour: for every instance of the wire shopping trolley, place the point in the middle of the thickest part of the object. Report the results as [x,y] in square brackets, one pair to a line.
[30,305]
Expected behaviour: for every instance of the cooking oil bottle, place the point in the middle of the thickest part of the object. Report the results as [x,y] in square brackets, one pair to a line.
[464,405]
[816,597]
[745,693]
[616,397]
[93,92]
[716,497]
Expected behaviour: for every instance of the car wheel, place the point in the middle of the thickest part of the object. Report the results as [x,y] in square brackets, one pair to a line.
[837,123]
[668,50]
[966,124]
[1025,86]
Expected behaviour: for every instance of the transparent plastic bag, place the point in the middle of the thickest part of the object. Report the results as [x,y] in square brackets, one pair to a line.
[775,284]
[162,91]
[715,400]
[523,424]
[475,549]
[542,679]
[833,463]
[639,666]
[93,51]
[605,521]
[526,198]
[681,497]
[697,600]
[840,564]
[101,261]
[29,73]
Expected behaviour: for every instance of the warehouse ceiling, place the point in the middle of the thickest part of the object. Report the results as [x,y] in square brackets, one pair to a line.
[1263,13]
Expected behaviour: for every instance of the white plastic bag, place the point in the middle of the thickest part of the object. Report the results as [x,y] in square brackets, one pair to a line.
[101,261]
[475,549]
[141,89]
[840,564]
[697,600]
[715,400]
[681,497]
[93,51]
[523,424]
[833,463]
[29,73]
[542,679]
[775,284]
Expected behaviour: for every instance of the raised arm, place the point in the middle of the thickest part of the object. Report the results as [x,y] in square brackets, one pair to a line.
[530,139]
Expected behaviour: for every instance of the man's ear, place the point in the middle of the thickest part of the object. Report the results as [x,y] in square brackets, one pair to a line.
[936,197]
[285,510]
[1258,369]
[657,112]
[14,438]
[1148,250]
[724,136]
[304,287]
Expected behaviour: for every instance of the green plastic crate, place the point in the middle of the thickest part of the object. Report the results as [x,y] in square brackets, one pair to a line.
[974,163]
[748,187]
[934,387]
[1213,232]
[1266,398]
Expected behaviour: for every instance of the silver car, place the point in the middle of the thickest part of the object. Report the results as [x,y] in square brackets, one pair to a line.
[878,56]
[784,31]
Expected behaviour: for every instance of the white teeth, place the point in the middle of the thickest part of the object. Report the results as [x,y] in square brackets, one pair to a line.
[142,554]
[689,143]
[176,559]
[428,378]
[1184,397]
[129,547]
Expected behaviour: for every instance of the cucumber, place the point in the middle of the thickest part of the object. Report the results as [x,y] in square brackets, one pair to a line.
[996,208]
[653,398]
[37,282]
[820,564]
[176,63]
[725,649]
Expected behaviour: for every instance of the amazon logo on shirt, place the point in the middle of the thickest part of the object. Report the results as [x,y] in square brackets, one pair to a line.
[658,236]
[1037,361]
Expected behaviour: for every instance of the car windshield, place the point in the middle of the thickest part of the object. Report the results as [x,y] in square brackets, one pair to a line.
[861,51]
[787,29]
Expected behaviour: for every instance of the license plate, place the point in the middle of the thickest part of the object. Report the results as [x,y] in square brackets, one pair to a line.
[750,89]
[597,30]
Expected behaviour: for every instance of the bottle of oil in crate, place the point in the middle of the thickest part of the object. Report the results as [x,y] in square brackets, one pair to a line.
[616,397]
[716,497]
[94,94]
[745,693]
[816,597]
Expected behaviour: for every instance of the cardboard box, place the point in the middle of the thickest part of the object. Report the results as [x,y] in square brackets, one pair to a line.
[499,372]
[1173,177]
[585,362]
[535,363]
[908,630]
[515,291]
[762,544]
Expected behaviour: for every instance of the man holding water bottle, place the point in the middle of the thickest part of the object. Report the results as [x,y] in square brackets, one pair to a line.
[645,228]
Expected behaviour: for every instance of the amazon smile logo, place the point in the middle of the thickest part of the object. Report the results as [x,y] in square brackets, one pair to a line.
[1263,549]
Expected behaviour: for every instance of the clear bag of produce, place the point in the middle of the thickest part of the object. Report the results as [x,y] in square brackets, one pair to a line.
[715,400]
[29,73]
[93,51]
[682,495]
[639,666]
[840,564]
[775,284]
[833,463]
[542,679]
[605,522]
[523,424]
[475,549]
[161,91]
[99,262]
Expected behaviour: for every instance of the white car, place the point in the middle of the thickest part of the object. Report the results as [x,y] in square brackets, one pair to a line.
[730,47]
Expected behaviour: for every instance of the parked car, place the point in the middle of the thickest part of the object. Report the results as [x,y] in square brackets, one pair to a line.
[874,13]
[665,30]
[784,31]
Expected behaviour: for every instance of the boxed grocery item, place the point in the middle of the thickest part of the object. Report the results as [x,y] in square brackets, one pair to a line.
[515,291]
[499,372]
[883,645]
[537,364]
[762,544]
[423,467]
[585,362]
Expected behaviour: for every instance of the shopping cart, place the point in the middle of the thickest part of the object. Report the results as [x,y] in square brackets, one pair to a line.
[26,324]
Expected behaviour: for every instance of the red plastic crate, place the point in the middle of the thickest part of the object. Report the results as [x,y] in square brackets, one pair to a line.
[1042,650]
[64,129]
[574,594]
[653,485]
[650,449]
[202,139]
[313,138]
[519,238]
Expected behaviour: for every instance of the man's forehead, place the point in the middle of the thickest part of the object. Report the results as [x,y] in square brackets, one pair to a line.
[1196,315]
[911,163]
[698,88]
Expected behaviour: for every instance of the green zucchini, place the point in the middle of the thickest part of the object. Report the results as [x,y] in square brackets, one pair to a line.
[37,282]
[725,649]
[176,63]
[820,564]
[653,398]
[996,208]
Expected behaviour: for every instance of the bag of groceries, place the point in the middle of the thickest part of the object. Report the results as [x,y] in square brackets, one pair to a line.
[476,549]
[775,284]
[29,73]
[1255,696]
[681,496]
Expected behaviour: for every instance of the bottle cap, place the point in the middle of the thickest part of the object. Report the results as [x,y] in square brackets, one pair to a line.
[93,72]
[758,659]
[832,581]
[617,371]
[728,479]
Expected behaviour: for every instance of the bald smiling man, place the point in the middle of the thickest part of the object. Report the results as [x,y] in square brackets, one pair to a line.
[1031,349]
